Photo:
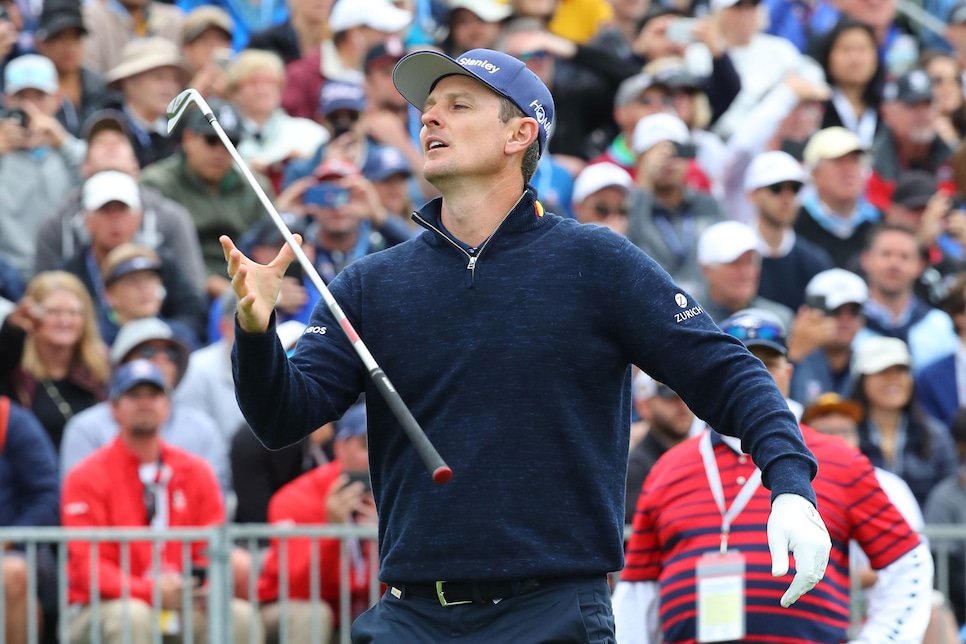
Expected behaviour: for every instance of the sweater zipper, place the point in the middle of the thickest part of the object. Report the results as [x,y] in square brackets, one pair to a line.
[472,258]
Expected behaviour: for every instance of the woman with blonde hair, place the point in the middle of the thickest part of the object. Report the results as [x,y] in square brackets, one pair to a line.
[52,357]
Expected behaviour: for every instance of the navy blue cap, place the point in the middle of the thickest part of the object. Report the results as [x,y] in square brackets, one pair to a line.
[352,423]
[338,95]
[757,328]
[132,265]
[416,75]
[137,372]
[384,163]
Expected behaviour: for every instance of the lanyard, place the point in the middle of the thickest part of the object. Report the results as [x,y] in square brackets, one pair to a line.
[679,247]
[717,491]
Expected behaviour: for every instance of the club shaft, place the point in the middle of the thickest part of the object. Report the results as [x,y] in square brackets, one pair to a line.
[427,452]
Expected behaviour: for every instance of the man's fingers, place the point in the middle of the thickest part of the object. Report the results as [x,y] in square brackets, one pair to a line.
[286,255]
[227,245]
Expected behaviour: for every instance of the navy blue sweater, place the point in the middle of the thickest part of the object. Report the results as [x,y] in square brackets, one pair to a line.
[519,372]
[29,484]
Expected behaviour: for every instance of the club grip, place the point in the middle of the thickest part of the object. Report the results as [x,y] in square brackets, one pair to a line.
[431,459]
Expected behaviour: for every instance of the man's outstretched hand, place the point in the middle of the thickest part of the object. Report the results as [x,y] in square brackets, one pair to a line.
[256,285]
[795,526]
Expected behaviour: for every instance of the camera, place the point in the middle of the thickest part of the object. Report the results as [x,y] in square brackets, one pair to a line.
[681,31]
[817,302]
[17,115]
[361,477]
[327,194]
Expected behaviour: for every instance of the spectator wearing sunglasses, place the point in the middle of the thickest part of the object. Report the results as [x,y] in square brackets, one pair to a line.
[773,181]
[600,196]
[666,217]
[202,179]
[189,429]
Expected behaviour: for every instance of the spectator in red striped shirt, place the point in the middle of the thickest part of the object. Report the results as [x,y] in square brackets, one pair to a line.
[679,520]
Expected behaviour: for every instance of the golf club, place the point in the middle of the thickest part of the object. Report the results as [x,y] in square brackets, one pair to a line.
[440,471]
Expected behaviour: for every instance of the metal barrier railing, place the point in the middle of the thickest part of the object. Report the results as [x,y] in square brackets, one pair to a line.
[220,542]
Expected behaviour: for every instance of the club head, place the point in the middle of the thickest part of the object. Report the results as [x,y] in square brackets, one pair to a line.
[179,105]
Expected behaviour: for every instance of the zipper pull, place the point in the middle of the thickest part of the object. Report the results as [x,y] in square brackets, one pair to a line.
[472,264]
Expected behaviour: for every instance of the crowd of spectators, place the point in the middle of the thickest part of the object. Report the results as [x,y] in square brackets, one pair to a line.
[798,156]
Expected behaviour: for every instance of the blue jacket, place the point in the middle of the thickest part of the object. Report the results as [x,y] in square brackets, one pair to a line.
[937,390]
[517,365]
[29,486]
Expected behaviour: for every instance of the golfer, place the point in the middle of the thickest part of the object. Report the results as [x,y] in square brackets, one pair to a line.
[509,332]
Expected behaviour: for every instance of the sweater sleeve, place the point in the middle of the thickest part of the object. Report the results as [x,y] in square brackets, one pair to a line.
[33,461]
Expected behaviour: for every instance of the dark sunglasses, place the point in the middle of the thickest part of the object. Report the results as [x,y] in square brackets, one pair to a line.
[603,210]
[212,140]
[533,55]
[149,352]
[755,332]
[647,101]
[778,188]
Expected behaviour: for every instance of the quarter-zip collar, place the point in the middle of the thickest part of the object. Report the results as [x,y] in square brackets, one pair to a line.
[525,215]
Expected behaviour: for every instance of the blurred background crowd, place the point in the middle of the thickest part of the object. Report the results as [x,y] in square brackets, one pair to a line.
[798,156]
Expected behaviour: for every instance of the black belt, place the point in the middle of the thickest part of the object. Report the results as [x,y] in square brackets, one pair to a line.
[452,593]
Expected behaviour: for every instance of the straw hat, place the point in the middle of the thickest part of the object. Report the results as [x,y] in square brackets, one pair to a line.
[145,54]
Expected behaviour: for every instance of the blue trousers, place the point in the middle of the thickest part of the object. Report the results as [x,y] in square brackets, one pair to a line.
[572,612]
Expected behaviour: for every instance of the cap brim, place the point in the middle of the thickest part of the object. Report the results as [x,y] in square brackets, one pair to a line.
[416,75]
[847,408]
[768,344]
[57,25]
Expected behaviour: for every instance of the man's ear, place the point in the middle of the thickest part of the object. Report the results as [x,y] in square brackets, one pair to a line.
[523,135]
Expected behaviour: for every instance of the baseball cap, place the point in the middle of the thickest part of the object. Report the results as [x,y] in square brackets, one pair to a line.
[632,87]
[390,50]
[386,162]
[643,386]
[957,15]
[30,71]
[132,265]
[416,75]
[137,332]
[915,188]
[769,168]
[380,15]
[335,169]
[103,120]
[832,403]
[339,95]
[228,115]
[678,77]
[137,372]
[877,354]
[724,242]
[598,176]
[912,87]
[201,19]
[57,16]
[655,128]
[110,185]
[838,286]
[757,328]
[352,423]
[831,143]
[485,10]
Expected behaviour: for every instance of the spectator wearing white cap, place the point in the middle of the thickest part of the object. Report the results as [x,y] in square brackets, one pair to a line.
[39,160]
[783,120]
[773,181]
[666,218]
[600,196]
[892,262]
[356,26]
[835,214]
[474,24]
[941,385]
[837,295]
[730,260]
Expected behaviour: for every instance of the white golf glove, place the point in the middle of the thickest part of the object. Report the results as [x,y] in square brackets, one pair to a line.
[795,526]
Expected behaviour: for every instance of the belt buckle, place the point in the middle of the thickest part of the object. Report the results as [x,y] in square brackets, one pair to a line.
[442,597]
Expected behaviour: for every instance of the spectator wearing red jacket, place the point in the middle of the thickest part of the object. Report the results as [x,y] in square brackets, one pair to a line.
[140,481]
[337,492]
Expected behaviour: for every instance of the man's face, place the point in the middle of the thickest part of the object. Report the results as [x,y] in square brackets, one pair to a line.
[462,134]
[468,31]
[152,90]
[653,100]
[136,295]
[312,11]
[778,203]
[913,123]
[259,93]
[206,155]
[382,93]
[841,179]
[112,224]
[734,285]
[663,166]
[849,320]
[163,354]
[46,103]
[353,453]
[837,424]
[892,264]
[777,365]
[606,207]
[394,192]
[741,19]
[142,411]
[110,150]
[670,417]
[904,216]
[64,49]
